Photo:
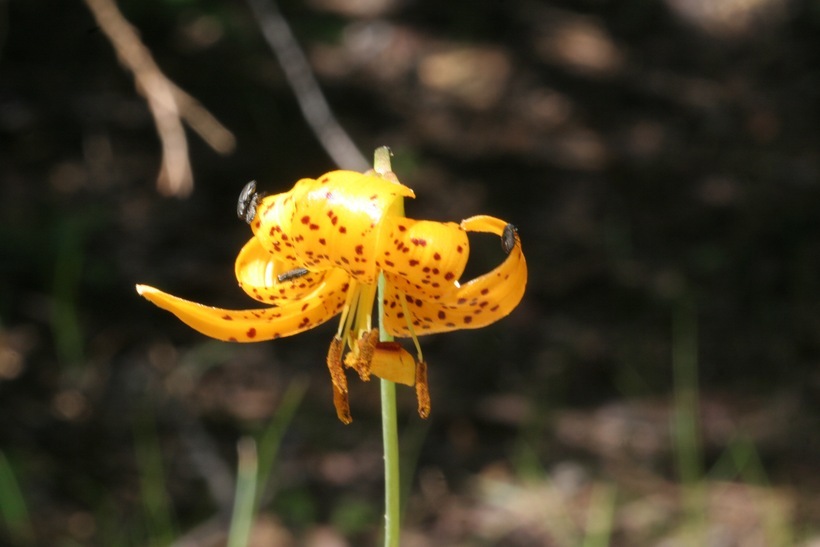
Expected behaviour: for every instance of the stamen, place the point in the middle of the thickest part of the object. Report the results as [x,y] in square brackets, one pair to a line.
[334,365]
[364,310]
[411,329]
[362,357]
[367,347]
[350,301]
[422,389]
[342,404]
[339,380]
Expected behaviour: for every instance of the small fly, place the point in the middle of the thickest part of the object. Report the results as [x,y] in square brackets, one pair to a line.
[508,237]
[248,201]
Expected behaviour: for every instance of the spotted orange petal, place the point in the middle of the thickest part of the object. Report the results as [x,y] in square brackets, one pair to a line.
[477,303]
[394,363]
[426,257]
[257,271]
[259,324]
[331,222]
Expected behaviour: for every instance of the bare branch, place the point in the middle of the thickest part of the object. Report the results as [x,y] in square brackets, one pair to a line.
[334,139]
[168,103]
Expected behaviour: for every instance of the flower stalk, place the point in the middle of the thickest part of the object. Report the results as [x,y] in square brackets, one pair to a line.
[390,428]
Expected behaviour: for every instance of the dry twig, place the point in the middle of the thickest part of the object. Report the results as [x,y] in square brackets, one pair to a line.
[332,136]
[168,103]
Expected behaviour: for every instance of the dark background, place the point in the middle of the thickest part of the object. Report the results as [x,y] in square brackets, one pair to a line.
[662,164]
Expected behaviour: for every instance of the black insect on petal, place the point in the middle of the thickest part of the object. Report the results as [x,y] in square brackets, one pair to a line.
[248,200]
[291,274]
[508,238]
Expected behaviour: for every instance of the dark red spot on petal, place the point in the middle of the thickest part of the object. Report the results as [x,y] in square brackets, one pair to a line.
[359,249]
[468,319]
[342,230]
[305,219]
[251,333]
[485,291]
[449,276]
[418,241]
[437,256]
[314,226]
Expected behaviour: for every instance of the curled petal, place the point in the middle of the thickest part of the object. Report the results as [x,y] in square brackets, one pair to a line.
[331,222]
[477,303]
[258,273]
[424,256]
[252,325]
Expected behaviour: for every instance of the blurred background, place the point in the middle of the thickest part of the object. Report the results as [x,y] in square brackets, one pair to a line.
[658,385]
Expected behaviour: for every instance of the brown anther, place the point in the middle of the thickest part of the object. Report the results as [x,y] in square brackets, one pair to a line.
[342,404]
[334,365]
[337,376]
[422,389]
[367,347]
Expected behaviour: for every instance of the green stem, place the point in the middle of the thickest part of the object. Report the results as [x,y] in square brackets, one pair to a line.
[390,428]
[390,435]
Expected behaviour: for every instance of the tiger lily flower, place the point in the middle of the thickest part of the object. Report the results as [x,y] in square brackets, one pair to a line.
[318,251]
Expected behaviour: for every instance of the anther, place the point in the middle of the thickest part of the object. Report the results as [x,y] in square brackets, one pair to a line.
[337,376]
[422,389]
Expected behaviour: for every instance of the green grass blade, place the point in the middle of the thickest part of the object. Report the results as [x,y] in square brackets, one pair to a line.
[12,504]
[244,507]
[270,440]
[155,502]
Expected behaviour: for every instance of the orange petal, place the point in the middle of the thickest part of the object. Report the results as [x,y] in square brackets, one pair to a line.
[331,222]
[425,257]
[251,325]
[394,363]
[257,271]
[475,304]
